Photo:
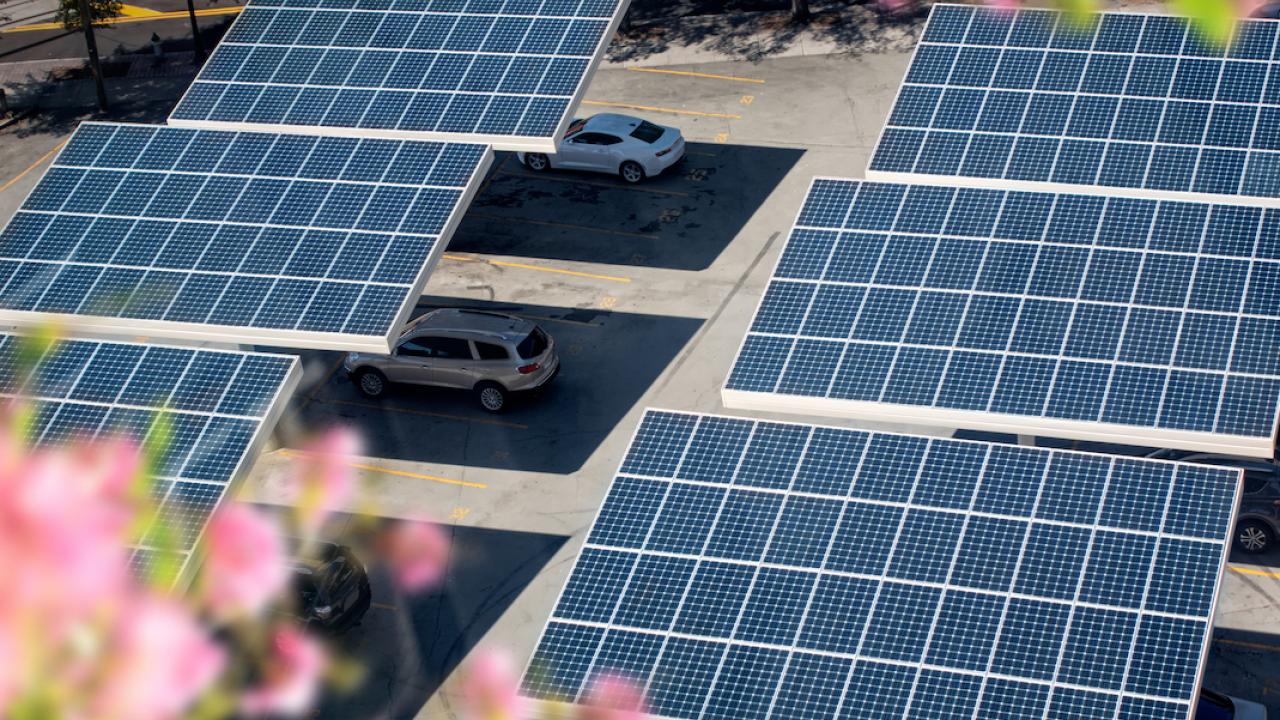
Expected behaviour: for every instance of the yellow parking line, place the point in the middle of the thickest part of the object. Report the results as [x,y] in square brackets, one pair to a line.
[581,181]
[566,321]
[650,108]
[1251,571]
[426,413]
[539,268]
[383,606]
[124,19]
[398,473]
[135,11]
[1247,645]
[563,226]
[687,73]
[33,166]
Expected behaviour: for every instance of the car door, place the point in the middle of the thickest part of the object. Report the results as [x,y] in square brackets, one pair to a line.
[581,151]
[437,360]
[608,157]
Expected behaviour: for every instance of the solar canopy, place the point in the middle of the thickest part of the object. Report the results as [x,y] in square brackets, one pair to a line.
[742,569]
[1122,101]
[505,72]
[1146,322]
[217,409]
[235,237]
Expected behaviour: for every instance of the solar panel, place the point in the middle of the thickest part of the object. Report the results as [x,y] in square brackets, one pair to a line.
[1148,322]
[235,237]
[505,72]
[215,407]
[747,569]
[1118,101]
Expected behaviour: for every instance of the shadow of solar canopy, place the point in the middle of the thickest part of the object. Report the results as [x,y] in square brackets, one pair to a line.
[1139,321]
[1117,102]
[509,73]
[202,415]
[235,237]
[749,569]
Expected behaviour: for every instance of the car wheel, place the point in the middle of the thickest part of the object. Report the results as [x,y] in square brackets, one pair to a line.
[492,397]
[537,162]
[1254,536]
[371,382]
[631,171]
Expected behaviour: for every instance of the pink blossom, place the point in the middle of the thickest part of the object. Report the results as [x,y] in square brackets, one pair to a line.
[158,662]
[292,676]
[418,553]
[613,697]
[489,689]
[322,480]
[244,564]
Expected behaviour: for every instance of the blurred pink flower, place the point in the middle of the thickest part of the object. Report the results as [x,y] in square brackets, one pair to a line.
[158,661]
[612,697]
[322,480]
[292,676]
[418,553]
[244,565]
[490,690]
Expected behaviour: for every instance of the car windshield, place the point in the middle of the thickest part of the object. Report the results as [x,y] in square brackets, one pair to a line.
[647,131]
[534,345]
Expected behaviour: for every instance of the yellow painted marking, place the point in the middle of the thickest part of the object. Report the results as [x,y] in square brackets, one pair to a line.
[125,19]
[522,266]
[426,413]
[580,181]
[1251,571]
[608,302]
[563,226]
[566,321]
[383,606]
[1247,645]
[135,11]
[32,166]
[703,154]
[650,108]
[722,137]
[689,73]
[747,99]
[459,513]
[397,473]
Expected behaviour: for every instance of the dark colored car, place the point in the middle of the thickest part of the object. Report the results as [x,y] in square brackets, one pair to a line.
[1258,521]
[331,588]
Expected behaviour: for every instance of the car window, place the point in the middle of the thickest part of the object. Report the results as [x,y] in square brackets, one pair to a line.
[608,139]
[437,347]
[533,345]
[590,138]
[489,351]
[647,132]
[1254,483]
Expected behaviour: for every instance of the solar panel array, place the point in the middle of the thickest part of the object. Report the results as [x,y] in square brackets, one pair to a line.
[235,237]
[743,569]
[202,411]
[1122,101]
[1148,316]
[508,72]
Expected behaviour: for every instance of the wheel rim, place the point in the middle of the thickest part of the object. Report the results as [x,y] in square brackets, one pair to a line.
[371,384]
[537,162]
[491,398]
[1252,538]
[631,173]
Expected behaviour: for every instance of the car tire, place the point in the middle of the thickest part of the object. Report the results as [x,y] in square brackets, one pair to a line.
[1254,536]
[631,172]
[492,397]
[370,382]
[537,162]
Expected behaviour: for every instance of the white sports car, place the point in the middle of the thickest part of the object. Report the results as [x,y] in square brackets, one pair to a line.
[615,144]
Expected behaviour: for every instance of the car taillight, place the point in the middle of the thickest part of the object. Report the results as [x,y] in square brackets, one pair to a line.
[660,153]
[526,369]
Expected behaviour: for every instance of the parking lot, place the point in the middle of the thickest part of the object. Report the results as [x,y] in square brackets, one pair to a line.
[648,290]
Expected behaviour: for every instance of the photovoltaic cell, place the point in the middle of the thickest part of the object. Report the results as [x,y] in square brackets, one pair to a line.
[952,608]
[1155,321]
[506,72]
[236,237]
[1117,100]
[213,406]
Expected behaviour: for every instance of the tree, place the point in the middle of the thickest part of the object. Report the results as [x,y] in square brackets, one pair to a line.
[800,10]
[71,14]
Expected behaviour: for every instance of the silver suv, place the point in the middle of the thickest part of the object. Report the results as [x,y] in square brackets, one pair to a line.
[491,354]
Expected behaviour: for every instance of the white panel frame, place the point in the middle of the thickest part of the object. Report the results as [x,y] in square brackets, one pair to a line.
[514,143]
